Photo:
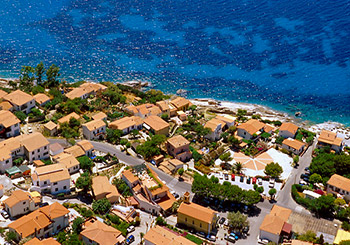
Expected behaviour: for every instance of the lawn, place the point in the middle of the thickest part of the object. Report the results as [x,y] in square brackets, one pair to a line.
[194,239]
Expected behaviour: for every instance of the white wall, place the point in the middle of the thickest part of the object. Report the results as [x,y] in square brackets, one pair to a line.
[60,187]
[244,134]
[6,164]
[267,235]
[41,153]
[285,134]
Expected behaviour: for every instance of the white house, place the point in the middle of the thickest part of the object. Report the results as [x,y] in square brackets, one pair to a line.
[288,130]
[21,101]
[69,161]
[215,125]
[95,129]
[250,129]
[338,184]
[35,146]
[328,138]
[293,145]
[127,124]
[20,203]
[41,99]
[55,149]
[87,147]
[9,124]
[52,179]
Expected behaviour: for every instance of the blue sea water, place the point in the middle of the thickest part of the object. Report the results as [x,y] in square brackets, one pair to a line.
[290,55]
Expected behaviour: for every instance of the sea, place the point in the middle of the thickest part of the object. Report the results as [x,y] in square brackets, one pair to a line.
[290,55]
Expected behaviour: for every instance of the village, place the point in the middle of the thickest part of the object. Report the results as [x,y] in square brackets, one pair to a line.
[105,163]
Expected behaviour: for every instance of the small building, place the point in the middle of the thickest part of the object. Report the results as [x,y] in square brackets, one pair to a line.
[127,124]
[180,103]
[21,101]
[47,241]
[50,128]
[95,129]
[76,151]
[13,172]
[20,203]
[288,130]
[100,116]
[182,115]
[196,216]
[293,145]
[338,184]
[275,226]
[103,189]
[328,138]
[87,147]
[2,93]
[96,232]
[250,129]
[66,119]
[156,125]
[179,147]
[38,163]
[9,124]
[216,126]
[162,235]
[55,149]
[164,107]
[69,161]
[35,146]
[85,90]
[311,195]
[41,99]
[171,166]
[130,179]
[227,119]
[144,110]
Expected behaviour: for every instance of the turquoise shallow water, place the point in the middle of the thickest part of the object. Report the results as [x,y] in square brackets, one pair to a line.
[289,55]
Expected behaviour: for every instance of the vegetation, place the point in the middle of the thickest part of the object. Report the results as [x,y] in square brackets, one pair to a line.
[310,236]
[101,206]
[237,221]
[10,237]
[194,239]
[113,135]
[151,147]
[273,170]
[272,192]
[84,182]
[86,163]
[160,221]
[122,187]
[77,225]
[20,115]
[70,129]
[327,164]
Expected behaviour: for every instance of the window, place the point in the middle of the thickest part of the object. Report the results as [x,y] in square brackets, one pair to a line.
[64,187]
[38,150]
[45,147]
[55,183]
[192,222]
[32,152]
[200,225]
[45,182]
[24,203]
[7,161]
[185,219]
[56,189]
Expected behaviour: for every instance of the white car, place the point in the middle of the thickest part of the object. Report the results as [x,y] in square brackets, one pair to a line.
[130,229]
[271,183]
[259,181]
[263,241]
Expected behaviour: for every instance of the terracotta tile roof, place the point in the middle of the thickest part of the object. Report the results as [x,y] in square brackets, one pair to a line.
[50,125]
[67,160]
[170,165]
[93,86]
[94,124]
[1,186]
[101,185]
[33,141]
[18,97]
[54,210]
[275,220]
[132,109]
[154,110]
[7,119]
[178,141]
[85,88]
[226,118]
[56,147]
[16,197]
[102,233]
[54,172]
[38,163]
[156,123]
[290,127]
[48,241]
[126,122]
[329,137]
[100,115]
[5,105]
[85,145]
[252,126]
[197,211]
[75,150]
[161,236]
[340,182]
[41,98]
[68,117]
[269,128]
[2,93]
[130,176]
[167,202]
[163,105]
[214,123]
[295,144]
[180,102]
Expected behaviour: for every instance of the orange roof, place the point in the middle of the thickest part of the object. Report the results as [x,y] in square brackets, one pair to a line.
[75,150]
[48,241]
[16,197]
[54,172]
[180,102]
[197,211]
[178,141]
[101,185]
[101,115]
[5,105]
[68,117]
[50,125]
[102,233]
[295,144]
[274,221]
[126,122]
[33,141]
[290,127]
[130,176]
[94,124]
[252,126]
[340,182]
[18,97]
[156,123]
[68,160]
[329,137]
[1,186]
[268,128]
[93,86]
[39,163]
[226,118]
[85,88]
[54,210]
[163,105]
[2,93]
[132,109]
[85,145]
[167,202]
[162,236]
[214,123]
[8,119]
[41,98]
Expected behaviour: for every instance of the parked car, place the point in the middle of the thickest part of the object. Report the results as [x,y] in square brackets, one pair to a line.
[226,176]
[263,241]
[130,239]
[234,235]
[5,214]
[271,183]
[302,176]
[43,204]
[242,179]
[302,182]
[201,234]
[259,181]
[222,220]
[248,180]
[30,130]
[130,229]
[211,238]
[232,177]
[254,180]
[229,238]
[307,169]
[246,229]
[245,209]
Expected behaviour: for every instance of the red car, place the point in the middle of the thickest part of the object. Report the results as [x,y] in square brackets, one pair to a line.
[232,177]
[254,180]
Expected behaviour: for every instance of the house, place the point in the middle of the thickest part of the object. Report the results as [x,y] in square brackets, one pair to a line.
[69,161]
[76,151]
[250,129]
[96,232]
[180,103]
[85,90]
[179,147]
[52,179]
[41,223]
[127,124]
[2,93]
[288,130]
[20,101]
[171,166]
[227,119]
[66,119]
[181,115]
[161,235]
[9,124]
[275,226]
[338,184]
[293,145]
[87,147]
[55,149]
[21,202]
[144,110]
[100,116]
[5,105]
[216,126]
[196,216]
[95,129]
[164,107]
[156,125]
[48,241]
[50,128]
[130,179]
[103,189]
[328,138]
[41,99]
[35,146]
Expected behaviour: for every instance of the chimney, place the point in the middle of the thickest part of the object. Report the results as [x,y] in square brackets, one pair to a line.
[187,197]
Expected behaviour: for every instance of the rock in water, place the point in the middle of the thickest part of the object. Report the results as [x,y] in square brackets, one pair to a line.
[181,92]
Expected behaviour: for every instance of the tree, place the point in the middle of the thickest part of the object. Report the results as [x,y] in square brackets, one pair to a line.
[273,169]
[323,164]
[272,192]
[241,115]
[10,237]
[101,206]
[26,77]
[226,157]
[237,220]
[237,168]
[84,182]
[39,72]
[113,135]
[315,178]
[233,141]
[323,205]
[151,147]
[122,187]
[20,115]
[308,236]
[260,189]
[52,75]
[160,221]
[181,171]
[345,242]
[86,163]
[134,133]
[165,117]
[77,225]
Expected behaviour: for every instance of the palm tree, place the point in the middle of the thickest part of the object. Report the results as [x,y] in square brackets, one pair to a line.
[237,168]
